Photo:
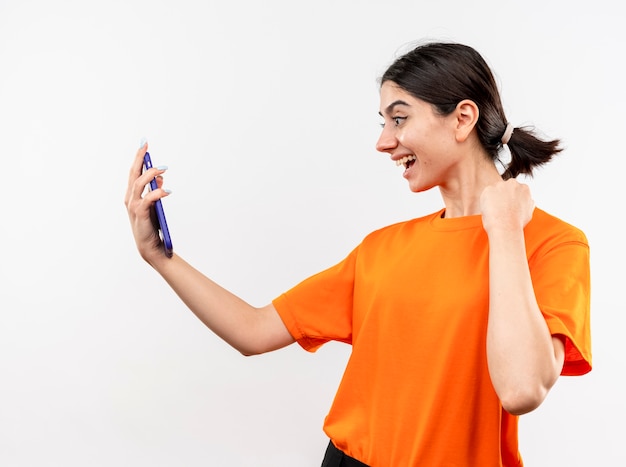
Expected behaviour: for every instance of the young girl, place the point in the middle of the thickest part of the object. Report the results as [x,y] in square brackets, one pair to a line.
[459,321]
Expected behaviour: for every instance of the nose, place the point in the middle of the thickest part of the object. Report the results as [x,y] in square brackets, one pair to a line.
[386,141]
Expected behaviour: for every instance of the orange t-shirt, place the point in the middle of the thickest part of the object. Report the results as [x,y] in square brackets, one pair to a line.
[412,299]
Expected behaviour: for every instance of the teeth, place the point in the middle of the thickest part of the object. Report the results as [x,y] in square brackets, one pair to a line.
[405,160]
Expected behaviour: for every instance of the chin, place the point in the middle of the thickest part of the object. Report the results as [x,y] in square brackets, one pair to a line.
[419,187]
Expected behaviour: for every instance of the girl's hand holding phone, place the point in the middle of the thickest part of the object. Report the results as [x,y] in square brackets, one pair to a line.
[146,213]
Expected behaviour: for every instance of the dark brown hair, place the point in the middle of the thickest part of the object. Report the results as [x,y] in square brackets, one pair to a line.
[444,74]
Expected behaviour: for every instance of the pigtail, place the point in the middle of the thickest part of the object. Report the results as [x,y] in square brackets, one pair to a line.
[528,151]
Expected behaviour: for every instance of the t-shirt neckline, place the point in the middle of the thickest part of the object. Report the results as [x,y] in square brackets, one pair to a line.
[456,223]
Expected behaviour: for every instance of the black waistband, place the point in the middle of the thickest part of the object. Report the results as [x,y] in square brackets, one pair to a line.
[336,458]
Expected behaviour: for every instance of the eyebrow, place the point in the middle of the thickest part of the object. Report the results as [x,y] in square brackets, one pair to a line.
[390,107]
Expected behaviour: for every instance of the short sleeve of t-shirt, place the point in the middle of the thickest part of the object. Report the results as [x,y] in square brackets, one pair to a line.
[561,275]
[324,306]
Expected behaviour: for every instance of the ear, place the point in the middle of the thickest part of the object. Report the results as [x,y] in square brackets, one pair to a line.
[466,116]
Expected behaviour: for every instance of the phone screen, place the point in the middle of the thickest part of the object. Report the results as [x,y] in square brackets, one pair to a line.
[164,232]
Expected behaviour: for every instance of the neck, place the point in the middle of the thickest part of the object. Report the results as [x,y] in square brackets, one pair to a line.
[461,195]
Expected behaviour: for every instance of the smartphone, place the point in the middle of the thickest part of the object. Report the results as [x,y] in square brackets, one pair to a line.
[164,232]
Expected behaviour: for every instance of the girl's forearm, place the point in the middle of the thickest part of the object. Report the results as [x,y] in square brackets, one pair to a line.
[524,359]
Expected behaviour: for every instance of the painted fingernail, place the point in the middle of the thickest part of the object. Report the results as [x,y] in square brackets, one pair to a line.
[167,190]
[142,142]
[162,167]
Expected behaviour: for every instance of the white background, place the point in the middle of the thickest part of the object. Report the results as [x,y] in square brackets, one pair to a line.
[266,114]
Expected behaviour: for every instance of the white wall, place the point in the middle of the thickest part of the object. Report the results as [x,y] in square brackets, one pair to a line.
[266,113]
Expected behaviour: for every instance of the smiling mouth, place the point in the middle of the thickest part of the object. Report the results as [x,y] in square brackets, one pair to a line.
[406,161]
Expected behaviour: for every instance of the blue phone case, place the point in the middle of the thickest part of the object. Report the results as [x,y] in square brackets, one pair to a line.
[158,207]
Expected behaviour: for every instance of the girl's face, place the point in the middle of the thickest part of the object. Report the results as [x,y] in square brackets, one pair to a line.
[417,138]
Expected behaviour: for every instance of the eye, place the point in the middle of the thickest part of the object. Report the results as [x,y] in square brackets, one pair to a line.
[398,120]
